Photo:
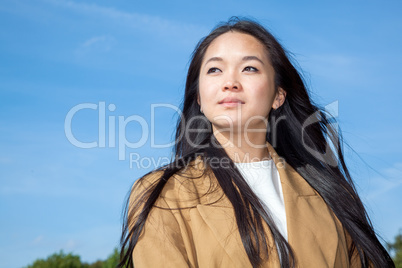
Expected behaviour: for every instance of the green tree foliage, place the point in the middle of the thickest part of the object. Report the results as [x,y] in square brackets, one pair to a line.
[59,260]
[112,260]
[97,264]
[63,260]
[396,250]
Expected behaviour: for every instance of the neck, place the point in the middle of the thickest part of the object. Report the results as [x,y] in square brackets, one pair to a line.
[244,146]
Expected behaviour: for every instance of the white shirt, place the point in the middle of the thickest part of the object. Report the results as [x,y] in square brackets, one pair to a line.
[263,178]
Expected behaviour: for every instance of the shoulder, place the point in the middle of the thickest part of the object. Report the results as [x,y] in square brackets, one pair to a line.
[192,185]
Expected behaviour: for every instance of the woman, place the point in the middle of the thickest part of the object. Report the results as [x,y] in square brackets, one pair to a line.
[230,199]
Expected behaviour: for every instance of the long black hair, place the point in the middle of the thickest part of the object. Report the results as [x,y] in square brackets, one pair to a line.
[299,131]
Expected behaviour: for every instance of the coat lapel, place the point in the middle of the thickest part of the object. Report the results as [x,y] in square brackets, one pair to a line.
[314,232]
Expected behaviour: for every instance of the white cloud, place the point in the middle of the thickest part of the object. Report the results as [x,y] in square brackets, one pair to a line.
[37,240]
[96,44]
[96,40]
[143,22]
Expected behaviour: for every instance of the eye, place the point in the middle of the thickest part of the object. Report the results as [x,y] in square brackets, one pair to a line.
[213,70]
[250,69]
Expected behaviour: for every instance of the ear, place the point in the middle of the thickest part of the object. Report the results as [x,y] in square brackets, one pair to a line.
[279,98]
[199,102]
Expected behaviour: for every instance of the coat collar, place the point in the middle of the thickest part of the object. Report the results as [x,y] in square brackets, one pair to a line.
[313,230]
[292,183]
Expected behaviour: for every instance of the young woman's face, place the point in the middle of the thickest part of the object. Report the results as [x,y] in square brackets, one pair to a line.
[236,83]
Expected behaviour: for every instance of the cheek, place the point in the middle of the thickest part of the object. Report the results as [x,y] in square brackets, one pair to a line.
[207,92]
[263,96]
[264,93]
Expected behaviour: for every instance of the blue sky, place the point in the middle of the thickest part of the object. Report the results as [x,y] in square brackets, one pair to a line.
[57,54]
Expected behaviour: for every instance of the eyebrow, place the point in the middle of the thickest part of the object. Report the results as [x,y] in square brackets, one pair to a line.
[213,59]
[245,58]
[248,58]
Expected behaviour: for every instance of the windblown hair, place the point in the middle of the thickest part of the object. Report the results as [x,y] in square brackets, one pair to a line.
[299,131]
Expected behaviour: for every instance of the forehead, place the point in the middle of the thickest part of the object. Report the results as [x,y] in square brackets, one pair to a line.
[232,43]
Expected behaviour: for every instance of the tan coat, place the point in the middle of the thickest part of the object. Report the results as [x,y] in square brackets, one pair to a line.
[203,232]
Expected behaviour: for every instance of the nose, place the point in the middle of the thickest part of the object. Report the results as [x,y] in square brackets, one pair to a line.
[232,85]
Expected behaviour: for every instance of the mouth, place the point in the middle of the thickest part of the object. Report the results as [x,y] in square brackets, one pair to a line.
[231,102]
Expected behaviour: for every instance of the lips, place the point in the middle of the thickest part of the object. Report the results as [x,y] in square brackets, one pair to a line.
[231,100]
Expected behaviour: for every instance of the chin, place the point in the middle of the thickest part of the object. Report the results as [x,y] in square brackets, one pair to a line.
[233,127]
